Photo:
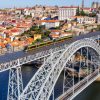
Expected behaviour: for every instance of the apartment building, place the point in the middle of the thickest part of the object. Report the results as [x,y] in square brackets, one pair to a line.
[67,12]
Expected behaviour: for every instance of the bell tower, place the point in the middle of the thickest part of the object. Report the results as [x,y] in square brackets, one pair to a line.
[82,3]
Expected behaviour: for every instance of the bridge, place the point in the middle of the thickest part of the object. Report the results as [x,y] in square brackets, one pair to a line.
[57,58]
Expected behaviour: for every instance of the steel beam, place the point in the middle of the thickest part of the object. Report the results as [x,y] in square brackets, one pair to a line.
[15,85]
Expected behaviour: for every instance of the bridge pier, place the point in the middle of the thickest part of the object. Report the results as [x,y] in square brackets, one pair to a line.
[15,85]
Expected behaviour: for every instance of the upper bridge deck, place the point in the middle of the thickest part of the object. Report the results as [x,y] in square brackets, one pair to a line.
[20,54]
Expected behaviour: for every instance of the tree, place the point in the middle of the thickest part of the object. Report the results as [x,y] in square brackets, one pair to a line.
[38,40]
[34,28]
[38,31]
[46,34]
[82,13]
[98,27]
[92,14]
[78,11]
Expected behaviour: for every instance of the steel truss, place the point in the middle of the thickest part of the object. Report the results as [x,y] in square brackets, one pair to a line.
[69,84]
[41,85]
[43,72]
[15,86]
[68,81]
[30,58]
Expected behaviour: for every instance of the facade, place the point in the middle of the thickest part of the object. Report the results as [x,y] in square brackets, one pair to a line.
[86,20]
[18,11]
[95,5]
[98,18]
[50,23]
[27,12]
[87,10]
[37,36]
[67,12]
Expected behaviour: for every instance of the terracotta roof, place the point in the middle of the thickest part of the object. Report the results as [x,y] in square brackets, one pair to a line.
[49,21]
[15,43]
[55,30]
[30,40]
[1,37]
[86,8]
[8,39]
[20,8]
[23,25]
[69,7]
[2,45]
[54,35]
[78,16]
[15,30]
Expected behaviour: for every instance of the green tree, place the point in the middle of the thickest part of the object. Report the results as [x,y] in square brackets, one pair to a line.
[38,40]
[34,28]
[46,34]
[38,31]
[92,14]
[98,27]
[78,11]
[82,13]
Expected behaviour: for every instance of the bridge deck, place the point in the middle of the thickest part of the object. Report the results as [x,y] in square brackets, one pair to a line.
[13,56]
[80,86]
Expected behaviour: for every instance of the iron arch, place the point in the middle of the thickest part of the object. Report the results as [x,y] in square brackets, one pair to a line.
[53,75]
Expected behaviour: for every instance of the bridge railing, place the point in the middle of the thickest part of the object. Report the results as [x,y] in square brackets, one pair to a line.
[30,58]
[68,94]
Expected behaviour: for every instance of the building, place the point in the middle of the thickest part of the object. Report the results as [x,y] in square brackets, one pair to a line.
[85,19]
[37,36]
[95,5]
[87,10]
[50,23]
[98,18]
[67,12]
[19,11]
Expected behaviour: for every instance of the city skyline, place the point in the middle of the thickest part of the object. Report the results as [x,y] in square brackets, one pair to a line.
[30,3]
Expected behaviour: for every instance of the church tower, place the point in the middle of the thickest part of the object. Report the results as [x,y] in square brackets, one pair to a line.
[82,3]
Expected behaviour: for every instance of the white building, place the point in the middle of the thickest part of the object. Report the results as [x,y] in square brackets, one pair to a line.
[27,12]
[98,18]
[19,11]
[67,12]
[50,23]
[86,20]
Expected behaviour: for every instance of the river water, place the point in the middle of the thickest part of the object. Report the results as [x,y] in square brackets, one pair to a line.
[90,93]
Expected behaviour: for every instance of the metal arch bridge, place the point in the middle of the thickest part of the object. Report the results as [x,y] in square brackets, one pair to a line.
[43,82]
[41,85]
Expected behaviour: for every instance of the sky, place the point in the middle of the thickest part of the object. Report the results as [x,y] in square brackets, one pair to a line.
[30,3]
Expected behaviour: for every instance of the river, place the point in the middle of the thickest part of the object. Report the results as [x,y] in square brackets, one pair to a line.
[90,93]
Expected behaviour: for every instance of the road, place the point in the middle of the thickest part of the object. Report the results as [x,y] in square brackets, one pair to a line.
[15,55]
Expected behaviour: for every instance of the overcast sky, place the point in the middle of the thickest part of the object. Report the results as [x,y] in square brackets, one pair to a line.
[24,3]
